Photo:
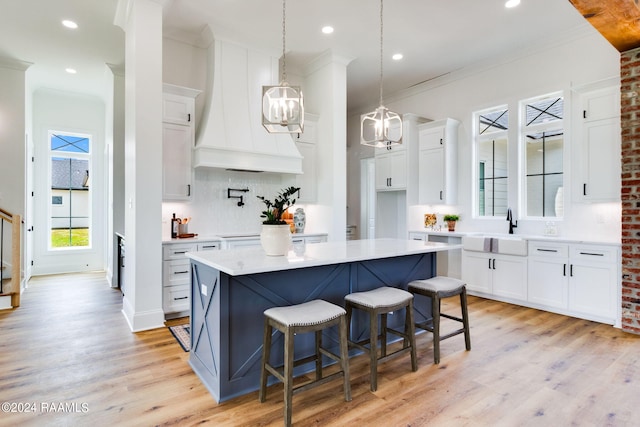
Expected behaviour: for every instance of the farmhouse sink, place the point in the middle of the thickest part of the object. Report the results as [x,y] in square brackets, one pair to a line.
[499,244]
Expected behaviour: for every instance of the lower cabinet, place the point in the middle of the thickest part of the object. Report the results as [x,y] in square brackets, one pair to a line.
[578,280]
[495,274]
[575,279]
[176,276]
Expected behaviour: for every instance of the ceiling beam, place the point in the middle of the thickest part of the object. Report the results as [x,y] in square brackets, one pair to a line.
[617,20]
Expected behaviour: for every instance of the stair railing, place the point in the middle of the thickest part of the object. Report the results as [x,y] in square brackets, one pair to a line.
[14,222]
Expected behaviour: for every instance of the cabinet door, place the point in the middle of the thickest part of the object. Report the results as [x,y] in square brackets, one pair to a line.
[176,298]
[601,104]
[176,272]
[431,176]
[398,170]
[592,290]
[432,137]
[548,282]
[383,172]
[510,277]
[177,109]
[601,160]
[310,131]
[476,271]
[176,161]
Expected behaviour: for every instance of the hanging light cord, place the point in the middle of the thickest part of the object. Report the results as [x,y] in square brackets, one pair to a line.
[381,43]
[284,34]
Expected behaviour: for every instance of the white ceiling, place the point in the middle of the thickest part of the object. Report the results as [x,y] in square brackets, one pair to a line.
[435,36]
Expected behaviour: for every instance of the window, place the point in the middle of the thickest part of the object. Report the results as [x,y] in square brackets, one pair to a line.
[70,193]
[492,161]
[543,139]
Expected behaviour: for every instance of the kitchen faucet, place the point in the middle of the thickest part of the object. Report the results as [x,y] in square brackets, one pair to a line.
[510,219]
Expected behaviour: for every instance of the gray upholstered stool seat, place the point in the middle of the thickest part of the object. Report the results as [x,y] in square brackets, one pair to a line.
[312,316]
[437,288]
[382,301]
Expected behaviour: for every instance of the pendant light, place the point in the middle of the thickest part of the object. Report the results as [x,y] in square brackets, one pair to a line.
[283,105]
[381,127]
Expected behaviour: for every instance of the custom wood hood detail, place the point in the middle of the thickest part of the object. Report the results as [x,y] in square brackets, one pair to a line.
[231,135]
[617,20]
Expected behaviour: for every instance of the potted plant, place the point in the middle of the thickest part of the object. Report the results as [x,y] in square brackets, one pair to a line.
[451,219]
[276,234]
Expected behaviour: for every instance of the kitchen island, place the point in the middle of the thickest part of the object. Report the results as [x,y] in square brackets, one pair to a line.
[231,289]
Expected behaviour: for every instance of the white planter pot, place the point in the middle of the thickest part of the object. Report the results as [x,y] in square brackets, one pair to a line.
[275,239]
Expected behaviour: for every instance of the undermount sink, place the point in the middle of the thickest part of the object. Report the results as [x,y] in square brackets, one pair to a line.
[500,244]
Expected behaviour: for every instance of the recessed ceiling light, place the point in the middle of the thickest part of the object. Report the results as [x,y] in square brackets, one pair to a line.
[511,3]
[397,56]
[69,24]
[70,70]
[328,29]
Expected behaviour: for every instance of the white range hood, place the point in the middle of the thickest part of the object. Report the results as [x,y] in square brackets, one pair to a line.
[231,134]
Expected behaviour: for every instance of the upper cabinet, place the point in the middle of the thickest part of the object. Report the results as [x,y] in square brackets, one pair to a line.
[437,162]
[178,130]
[598,145]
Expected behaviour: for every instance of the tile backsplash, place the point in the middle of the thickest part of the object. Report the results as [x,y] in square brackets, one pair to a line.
[213,213]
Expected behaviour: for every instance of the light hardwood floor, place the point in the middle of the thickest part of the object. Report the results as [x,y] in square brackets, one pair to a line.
[68,344]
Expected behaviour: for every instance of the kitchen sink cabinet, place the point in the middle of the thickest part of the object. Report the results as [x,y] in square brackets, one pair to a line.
[178,127]
[495,274]
[437,162]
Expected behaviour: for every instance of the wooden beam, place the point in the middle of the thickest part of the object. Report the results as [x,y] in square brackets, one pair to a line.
[617,20]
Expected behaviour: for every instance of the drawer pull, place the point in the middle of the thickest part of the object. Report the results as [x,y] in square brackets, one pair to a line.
[546,250]
[591,253]
[177,299]
[181,272]
[564,269]
[179,253]
[209,246]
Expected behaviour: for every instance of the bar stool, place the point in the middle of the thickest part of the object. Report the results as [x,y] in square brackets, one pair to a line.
[382,301]
[437,288]
[312,316]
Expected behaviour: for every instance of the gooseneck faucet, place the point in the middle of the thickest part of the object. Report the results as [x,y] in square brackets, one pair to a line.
[510,219]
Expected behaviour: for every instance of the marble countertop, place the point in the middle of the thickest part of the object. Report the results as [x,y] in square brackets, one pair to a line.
[559,239]
[230,236]
[252,260]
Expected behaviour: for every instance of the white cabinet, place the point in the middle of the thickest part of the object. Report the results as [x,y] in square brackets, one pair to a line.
[437,162]
[178,124]
[176,275]
[177,141]
[391,171]
[495,274]
[574,279]
[599,146]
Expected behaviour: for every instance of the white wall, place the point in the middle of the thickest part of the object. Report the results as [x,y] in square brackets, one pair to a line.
[75,113]
[460,94]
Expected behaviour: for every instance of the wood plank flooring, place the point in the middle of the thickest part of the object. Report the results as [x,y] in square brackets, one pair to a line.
[68,353]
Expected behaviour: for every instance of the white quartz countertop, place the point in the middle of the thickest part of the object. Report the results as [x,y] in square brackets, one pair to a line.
[252,260]
[230,236]
[558,239]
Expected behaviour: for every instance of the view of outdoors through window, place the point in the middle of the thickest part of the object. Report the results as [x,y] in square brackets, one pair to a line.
[544,141]
[70,193]
[491,157]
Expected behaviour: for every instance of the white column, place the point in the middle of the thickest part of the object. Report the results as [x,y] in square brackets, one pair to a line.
[142,22]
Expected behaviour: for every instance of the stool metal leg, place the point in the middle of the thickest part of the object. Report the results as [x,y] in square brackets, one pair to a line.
[435,312]
[266,352]
[465,319]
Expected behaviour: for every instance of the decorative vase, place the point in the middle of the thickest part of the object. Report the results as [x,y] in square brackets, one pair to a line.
[275,239]
[300,220]
[451,225]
